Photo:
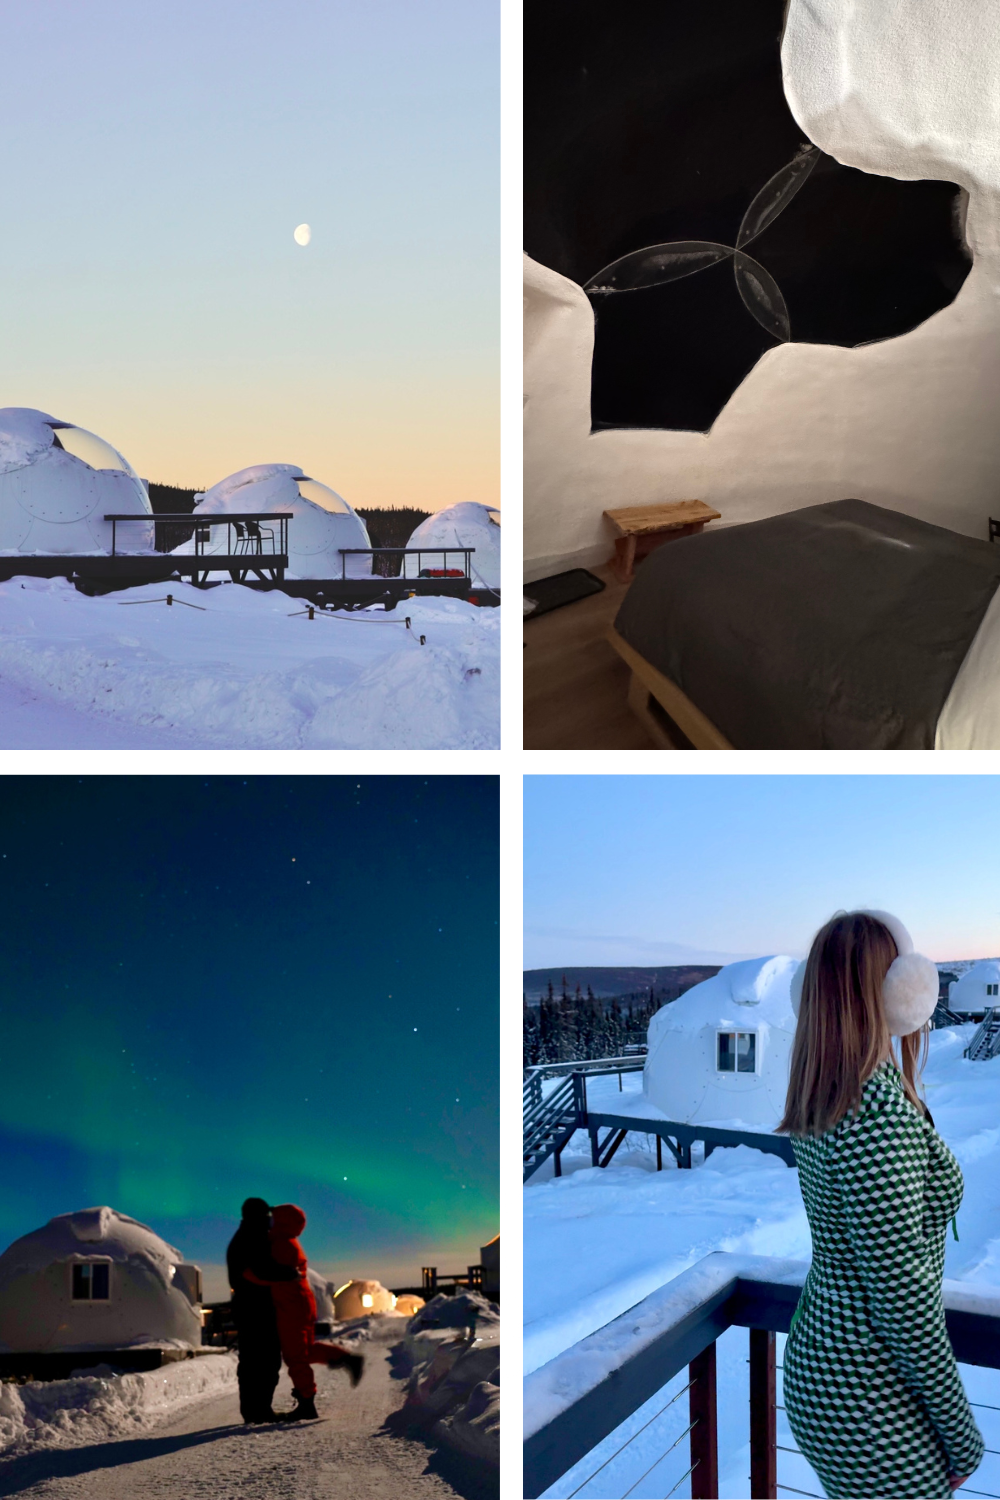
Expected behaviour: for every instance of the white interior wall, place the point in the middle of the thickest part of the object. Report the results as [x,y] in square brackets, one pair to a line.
[908,90]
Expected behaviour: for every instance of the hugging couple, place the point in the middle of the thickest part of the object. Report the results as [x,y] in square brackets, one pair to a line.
[274,1310]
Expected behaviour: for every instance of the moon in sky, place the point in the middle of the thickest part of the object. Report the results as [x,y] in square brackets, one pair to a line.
[302,235]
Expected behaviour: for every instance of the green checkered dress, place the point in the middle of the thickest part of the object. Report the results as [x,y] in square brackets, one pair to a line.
[872,1391]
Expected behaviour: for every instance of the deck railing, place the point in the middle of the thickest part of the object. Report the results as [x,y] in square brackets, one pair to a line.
[439,569]
[579,1398]
[551,1121]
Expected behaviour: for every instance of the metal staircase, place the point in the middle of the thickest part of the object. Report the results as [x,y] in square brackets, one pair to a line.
[986,1042]
[550,1122]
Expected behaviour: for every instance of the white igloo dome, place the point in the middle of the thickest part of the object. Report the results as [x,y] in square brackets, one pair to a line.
[721,1052]
[57,483]
[96,1279]
[323,521]
[464,525]
[978,988]
[362,1299]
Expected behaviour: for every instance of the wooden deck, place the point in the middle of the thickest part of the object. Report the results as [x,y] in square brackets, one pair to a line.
[575,687]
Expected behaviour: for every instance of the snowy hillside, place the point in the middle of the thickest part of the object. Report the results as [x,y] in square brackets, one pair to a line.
[597,1240]
[242,669]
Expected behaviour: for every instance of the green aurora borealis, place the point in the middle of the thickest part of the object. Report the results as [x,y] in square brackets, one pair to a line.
[279,986]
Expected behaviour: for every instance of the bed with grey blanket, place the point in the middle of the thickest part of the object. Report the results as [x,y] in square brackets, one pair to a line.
[837,627]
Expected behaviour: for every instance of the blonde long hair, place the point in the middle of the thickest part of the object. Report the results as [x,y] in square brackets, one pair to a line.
[842,1034]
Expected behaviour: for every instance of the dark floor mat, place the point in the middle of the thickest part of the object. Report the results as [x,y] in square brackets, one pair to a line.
[560,589]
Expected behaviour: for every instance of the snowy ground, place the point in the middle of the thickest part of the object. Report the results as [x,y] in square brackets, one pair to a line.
[95,1408]
[597,1240]
[361,1449]
[242,670]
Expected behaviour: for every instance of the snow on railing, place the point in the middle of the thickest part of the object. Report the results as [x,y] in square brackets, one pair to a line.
[588,1391]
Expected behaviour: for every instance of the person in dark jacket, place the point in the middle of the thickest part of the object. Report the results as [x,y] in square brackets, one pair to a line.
[258,1343]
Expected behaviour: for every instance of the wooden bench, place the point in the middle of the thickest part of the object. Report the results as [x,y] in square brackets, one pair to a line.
[642,528]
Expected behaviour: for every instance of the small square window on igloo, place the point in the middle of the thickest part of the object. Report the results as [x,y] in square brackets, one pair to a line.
[736,1052]
[91,1281]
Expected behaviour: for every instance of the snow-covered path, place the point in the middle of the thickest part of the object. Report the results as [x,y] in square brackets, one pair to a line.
[348,1455]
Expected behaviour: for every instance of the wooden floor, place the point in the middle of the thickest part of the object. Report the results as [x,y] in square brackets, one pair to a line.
[575,686]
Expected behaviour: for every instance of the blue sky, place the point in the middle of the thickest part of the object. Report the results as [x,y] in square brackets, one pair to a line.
[670,869]
[157,159]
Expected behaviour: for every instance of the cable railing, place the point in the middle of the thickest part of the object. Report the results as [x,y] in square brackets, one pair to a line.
[589,1391]
[378,553]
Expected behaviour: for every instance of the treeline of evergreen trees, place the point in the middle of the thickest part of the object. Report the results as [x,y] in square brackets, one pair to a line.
[569,1027]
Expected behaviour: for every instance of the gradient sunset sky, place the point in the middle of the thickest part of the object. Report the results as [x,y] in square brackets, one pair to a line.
[157,160]
[279,987]
[637,870]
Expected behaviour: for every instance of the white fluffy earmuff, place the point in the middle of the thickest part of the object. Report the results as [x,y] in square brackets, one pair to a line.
[910,990]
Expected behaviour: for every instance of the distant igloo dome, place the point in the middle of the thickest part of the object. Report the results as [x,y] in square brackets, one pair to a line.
[57,483]
[721,1052]
[323,1292]
[464,525]
[323,521]
[978,988]
[361,1299]
[96,1279]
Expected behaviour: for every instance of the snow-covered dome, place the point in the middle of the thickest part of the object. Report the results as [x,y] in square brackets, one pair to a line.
[360,1299]
[57,483]
[323,1292]
[96,1279]
[721,1052]
[323,520]
[978,987]
[465,525]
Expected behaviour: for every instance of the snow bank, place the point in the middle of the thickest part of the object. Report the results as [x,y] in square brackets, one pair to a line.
[248,670]
[454,1388]
[94,1408]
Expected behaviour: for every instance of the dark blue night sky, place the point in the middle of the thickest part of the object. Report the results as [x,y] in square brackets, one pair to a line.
[284,987]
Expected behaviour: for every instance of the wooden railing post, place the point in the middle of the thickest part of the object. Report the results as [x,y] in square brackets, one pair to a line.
[704,1431]
[763,1416]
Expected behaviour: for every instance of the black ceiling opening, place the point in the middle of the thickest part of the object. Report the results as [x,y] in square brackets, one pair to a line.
[662,127]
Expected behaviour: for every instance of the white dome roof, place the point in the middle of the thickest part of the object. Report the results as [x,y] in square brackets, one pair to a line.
[323,521]
[464,525]
[89,1231]
[969,992]
[57,482]
[755,988]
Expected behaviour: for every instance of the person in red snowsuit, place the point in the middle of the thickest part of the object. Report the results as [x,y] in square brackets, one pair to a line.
[295,1309]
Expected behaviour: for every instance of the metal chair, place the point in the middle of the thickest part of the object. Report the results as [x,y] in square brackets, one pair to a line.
[257,533]
[242,541]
